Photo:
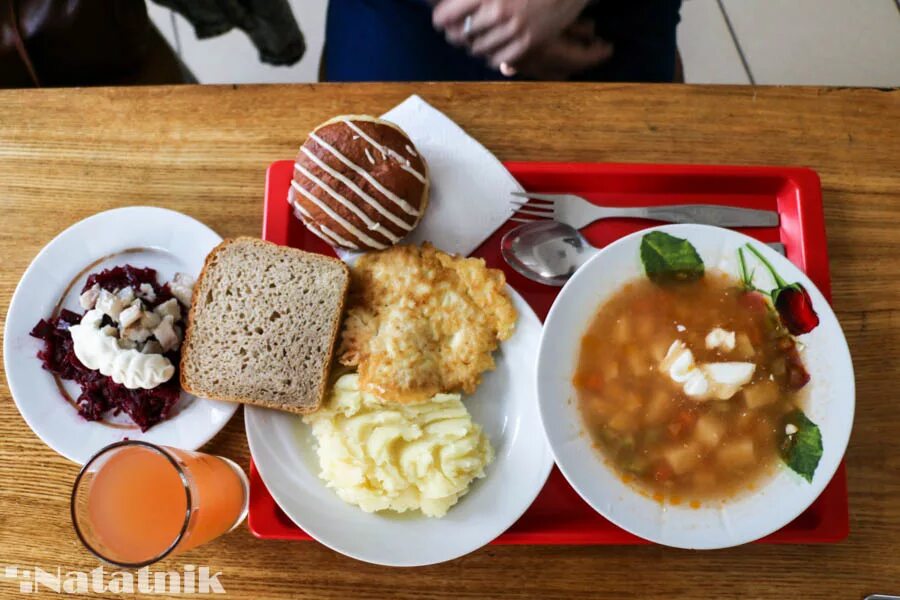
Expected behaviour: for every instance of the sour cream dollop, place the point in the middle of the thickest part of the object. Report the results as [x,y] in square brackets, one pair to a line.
[97,349]
[391,456]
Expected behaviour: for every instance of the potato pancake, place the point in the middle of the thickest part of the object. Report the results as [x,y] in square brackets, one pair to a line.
[422,322]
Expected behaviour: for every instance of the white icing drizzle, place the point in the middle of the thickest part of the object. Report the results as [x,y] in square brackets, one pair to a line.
[358,191]
[411,150]
[343,201]
[344,242]
[350,227]
[369,156]
[403,204]
[307,219]
[409,169]
[384,149]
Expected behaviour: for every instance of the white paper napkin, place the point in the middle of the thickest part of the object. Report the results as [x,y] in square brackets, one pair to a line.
[470,188]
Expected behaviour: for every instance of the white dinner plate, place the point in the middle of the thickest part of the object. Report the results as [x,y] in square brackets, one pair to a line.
[778,500]
[505,405]
[142,236]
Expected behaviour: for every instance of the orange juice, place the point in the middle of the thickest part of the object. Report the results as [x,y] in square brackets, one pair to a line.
[221,494]
[136,503]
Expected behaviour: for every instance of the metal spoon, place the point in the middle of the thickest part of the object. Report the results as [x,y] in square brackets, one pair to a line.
[546,251]
[550,252]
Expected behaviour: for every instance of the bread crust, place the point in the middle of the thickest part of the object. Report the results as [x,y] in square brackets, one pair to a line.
[188,336]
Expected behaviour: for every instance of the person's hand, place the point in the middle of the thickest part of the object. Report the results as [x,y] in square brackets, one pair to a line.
[504,31]
[577,49]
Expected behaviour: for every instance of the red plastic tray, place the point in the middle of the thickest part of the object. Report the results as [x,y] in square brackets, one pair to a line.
[559,515]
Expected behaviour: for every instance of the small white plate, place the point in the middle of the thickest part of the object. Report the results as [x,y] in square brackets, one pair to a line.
[165,240]
[505,405]
[782,498]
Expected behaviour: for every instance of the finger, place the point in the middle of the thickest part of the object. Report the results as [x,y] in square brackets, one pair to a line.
[493,39]
[455,36]
[507,70]
[512,52]
[483,21]
[452,12]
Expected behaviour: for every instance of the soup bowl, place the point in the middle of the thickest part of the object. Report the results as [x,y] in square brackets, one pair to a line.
[775,500]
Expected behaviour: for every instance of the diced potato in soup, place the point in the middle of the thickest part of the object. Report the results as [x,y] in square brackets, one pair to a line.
[669,443]
[743,348]
[761,393]
[740,453]
[709,430]
[682,458]
[659,407]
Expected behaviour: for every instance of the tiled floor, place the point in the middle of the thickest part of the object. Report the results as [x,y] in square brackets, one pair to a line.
[837,42]
[815,42]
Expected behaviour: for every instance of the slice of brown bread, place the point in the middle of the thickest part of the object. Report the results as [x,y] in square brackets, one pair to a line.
[262,325]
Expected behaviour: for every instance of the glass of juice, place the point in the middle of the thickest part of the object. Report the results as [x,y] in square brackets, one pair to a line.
[135,503]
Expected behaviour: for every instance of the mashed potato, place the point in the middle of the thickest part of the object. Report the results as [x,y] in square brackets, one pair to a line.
[397,457]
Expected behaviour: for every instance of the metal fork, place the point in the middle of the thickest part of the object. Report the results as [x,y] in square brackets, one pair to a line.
[576,211]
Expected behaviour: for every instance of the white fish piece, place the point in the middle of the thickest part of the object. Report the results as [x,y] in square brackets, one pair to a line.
[182,287]
[152,347]
[126,295]
[136,334]
[130,315]
[88,298]
[169,308]
[147,292]
[109,305]
[166,335]
[150,319]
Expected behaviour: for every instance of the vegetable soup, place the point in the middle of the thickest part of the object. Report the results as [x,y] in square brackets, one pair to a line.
[690,389]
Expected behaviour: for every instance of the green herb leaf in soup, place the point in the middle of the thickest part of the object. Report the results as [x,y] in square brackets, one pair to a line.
[801,446]
[668,258]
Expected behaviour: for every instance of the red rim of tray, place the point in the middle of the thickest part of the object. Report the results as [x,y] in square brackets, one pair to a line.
[559,515]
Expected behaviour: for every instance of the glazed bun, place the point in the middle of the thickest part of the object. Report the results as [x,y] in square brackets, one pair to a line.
[359,183]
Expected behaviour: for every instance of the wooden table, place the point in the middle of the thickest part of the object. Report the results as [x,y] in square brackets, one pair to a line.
[66,154]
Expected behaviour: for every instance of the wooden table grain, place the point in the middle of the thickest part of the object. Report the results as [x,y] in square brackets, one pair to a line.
[66,154]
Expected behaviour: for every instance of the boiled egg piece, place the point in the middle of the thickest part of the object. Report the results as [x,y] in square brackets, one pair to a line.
[720,338]
[707,380]
[727,378]
[679,362]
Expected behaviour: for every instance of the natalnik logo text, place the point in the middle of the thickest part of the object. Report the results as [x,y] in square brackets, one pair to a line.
[190,580]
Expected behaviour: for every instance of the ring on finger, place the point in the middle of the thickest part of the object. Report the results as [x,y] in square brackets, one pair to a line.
[467,24]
